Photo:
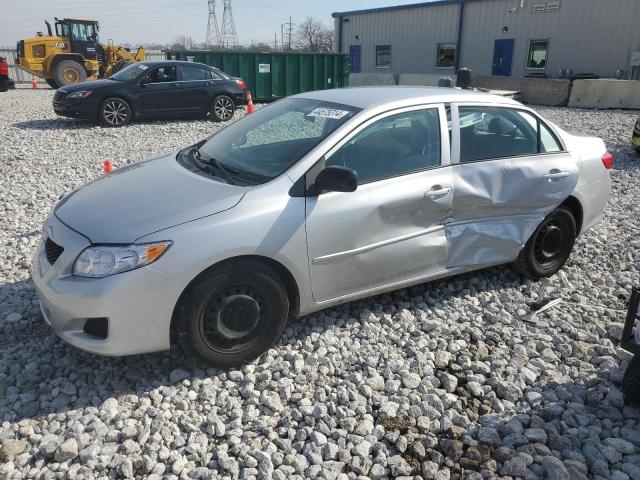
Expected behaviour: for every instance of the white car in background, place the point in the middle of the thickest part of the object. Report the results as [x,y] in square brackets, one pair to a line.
[315,200]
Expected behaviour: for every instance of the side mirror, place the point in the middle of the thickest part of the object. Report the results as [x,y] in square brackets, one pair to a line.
[336,179]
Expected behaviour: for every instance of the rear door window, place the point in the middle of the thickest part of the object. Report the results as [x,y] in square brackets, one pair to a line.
[488,133]
[195,73]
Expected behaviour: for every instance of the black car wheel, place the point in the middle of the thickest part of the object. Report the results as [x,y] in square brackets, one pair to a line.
[114,112]
[233,314]
[550,246]
[223,108]
[52,83]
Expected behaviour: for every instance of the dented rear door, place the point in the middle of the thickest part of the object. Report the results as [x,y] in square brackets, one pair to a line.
[502,189]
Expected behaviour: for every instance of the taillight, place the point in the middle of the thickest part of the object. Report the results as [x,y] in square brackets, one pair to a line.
[241,84]
[607,161]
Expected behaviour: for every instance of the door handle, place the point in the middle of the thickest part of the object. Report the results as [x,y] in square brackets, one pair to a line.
[438,191]
[555,175]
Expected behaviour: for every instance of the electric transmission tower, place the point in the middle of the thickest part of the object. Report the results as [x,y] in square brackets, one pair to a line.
[229,34]
[213,33]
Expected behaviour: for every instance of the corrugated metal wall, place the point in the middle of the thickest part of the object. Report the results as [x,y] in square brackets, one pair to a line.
[587,36]
[413,34]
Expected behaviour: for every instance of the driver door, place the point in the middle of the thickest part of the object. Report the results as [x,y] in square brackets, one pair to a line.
[84,40]
[391,229]
[158,93]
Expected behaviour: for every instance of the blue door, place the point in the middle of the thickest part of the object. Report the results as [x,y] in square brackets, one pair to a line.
[354,58]
[502,57]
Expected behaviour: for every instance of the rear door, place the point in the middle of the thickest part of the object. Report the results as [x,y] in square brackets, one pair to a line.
[391,229]
[196,85]
[510,171]
[158,94]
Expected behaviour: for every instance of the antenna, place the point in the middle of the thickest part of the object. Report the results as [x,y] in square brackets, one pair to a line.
[213,33]
[229,34]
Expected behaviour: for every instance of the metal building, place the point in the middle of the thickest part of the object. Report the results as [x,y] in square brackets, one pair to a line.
[495,37]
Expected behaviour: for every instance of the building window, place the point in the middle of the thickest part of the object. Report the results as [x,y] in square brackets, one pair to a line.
[538,51]
[383,56]
[446,55]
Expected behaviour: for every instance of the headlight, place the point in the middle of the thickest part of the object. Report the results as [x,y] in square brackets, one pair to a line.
[80,94]
[102,261]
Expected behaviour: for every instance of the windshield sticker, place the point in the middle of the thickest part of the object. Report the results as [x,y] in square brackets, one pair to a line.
[143,67]
[328,113]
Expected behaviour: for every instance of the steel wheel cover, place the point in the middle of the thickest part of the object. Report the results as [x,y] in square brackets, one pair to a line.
[70,75]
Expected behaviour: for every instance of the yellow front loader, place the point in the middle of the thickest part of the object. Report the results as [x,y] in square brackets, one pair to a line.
[72,54]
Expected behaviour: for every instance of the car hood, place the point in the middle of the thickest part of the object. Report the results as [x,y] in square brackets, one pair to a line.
[143,198]
[88,85]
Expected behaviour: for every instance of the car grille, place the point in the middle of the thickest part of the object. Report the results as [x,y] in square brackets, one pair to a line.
[58,96]
[53,250]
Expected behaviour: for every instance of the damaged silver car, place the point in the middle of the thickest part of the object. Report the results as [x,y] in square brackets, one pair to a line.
[315,200]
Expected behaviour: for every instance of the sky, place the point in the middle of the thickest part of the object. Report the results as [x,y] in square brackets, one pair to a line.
[161,21]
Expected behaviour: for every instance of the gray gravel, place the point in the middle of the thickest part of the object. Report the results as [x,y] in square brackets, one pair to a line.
[439,381]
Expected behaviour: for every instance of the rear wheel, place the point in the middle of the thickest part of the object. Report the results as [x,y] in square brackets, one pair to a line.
[52,83]
[68,72]
[631,382]
[114,112]
[233,314]
[222,108]
[550,246]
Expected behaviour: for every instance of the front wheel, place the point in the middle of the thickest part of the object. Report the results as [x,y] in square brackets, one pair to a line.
[549,247]
[222,108]
[114,112]
[68,72]
[233,314]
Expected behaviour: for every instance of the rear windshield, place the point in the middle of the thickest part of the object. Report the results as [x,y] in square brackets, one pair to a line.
[268,142]
[129,73]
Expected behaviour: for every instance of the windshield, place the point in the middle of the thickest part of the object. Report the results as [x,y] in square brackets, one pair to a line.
[129,73]
[266,143]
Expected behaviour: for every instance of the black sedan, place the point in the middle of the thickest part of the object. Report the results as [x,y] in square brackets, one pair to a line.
[148,90]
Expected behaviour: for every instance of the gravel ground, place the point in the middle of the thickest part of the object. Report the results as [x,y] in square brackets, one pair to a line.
[439,381]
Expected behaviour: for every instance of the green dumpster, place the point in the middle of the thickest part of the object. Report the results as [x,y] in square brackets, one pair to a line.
[273,75]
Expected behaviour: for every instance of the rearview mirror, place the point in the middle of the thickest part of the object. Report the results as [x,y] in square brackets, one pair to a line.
[336,179]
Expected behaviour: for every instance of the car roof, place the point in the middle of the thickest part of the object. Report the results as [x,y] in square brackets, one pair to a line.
[366,97]
[155,63]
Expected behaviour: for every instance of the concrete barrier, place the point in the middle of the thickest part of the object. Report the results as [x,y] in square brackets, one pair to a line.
[421,79]
[605,93]
[539,91]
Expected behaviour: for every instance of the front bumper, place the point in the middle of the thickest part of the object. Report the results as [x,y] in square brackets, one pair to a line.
[628,341]
[136,310]
[75,109]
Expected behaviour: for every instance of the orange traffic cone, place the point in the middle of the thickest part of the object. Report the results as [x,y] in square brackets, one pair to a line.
[33,82]
[250,107]
[107,167]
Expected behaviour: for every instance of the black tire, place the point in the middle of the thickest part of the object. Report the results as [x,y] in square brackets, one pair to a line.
[232,314]
[52,83]
[631,382]
[222,108]
[115,112]
[549,247]
[68,72]
[4,86]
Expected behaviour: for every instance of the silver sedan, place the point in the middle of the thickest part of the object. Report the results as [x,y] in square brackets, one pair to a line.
[315,200]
